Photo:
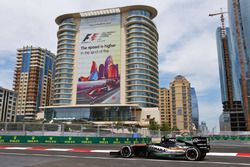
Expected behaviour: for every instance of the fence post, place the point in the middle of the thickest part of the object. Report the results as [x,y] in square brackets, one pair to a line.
[43,129]
[123,130]
[81,132]
[5,128]
[146,132]
[98,131]
[24,131]
[112,132]
[62,129]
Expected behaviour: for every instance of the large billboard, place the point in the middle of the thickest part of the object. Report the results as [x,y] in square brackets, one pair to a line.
[98,65]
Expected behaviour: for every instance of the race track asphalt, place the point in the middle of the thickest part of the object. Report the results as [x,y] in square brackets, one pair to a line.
[38,158]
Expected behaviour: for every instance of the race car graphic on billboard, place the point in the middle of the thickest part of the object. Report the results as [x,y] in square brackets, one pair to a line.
[98,68]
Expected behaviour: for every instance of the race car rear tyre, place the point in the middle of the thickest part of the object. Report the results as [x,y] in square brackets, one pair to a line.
[203,155]
[148,154]
[126,151]
[193,154]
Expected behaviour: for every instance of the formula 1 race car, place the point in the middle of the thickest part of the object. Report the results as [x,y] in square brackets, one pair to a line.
[194,150]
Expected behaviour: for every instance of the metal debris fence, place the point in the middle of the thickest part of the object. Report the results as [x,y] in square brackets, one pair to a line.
[112,130]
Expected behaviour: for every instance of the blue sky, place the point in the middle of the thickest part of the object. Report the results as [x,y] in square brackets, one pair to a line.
[187,44]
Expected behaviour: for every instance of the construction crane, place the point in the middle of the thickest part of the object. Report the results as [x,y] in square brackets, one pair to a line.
[223,29]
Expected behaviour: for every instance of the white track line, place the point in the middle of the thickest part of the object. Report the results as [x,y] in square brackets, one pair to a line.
[17,148]
[57,149]
[108,151]
[130,159]
[103,151]
[222,154]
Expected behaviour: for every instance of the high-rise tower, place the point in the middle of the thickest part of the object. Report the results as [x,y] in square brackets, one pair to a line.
[181,107]
[239,20]
[33,80]
[195,108]
[232,118]
[106,65]
[8,100]
[109,51]
[164,105]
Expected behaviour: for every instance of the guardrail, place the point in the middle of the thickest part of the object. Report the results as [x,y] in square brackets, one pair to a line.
[87,130]
[113,130]
[221,137]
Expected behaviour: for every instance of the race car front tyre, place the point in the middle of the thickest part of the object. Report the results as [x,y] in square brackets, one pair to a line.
[126,152]
[193,154]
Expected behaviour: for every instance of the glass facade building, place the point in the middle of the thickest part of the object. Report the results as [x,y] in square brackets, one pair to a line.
[138,54]
[107,56]
[88,113]
[65,61]
[195,108]
[233,65]
[239,19]
[142,59]
[233,113]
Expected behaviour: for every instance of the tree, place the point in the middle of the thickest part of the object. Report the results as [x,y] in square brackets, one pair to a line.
[175,129]
[153,125]
[165,127]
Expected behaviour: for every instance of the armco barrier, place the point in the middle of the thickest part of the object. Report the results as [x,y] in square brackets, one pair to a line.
[242,138]
[238,138]
[72,140]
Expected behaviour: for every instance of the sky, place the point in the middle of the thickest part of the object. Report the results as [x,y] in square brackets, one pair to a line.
[187,44]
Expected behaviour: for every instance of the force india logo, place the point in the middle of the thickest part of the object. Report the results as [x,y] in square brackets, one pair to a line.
[168,150]
[159,148]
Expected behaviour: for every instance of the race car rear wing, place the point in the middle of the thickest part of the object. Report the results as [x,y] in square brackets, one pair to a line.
[201,142]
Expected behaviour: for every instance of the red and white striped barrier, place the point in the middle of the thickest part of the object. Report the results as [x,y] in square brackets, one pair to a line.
[81,150]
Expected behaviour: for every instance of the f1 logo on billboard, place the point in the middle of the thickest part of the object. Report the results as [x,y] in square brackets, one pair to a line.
[90,37]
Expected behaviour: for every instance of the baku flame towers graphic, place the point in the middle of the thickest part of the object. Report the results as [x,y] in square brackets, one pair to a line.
[101,86]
